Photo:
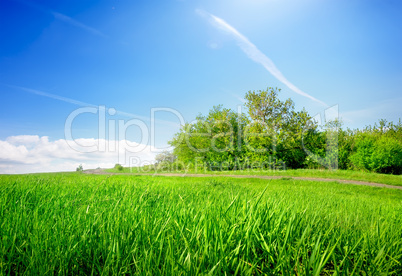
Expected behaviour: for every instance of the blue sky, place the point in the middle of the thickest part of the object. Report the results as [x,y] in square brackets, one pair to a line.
[58,56]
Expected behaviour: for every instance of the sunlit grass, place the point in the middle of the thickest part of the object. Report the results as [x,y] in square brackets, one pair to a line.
[122,224]
[313,173]
[333,174]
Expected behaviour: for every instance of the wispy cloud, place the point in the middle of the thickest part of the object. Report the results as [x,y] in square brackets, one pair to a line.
[254,53]
[63,17]
[75,23]
[387,109]
[52,96]
[239,98]
[83,104]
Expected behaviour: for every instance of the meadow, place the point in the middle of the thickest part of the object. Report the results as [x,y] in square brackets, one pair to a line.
[79,224]
[389,179]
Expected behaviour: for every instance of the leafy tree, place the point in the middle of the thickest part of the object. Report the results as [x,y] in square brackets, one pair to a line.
[265,106]
[274,133]
[213,139]
[271,134]
[118,167]
[165,156]
[80,168]
[346,140]
[378,148]
[277,128]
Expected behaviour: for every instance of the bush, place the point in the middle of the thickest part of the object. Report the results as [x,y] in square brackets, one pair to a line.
[118,167]
[80,168]
[387,156]
[378,154]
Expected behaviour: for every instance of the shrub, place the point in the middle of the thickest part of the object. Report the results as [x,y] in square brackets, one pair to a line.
[118,167]
[387,156]
[379,154]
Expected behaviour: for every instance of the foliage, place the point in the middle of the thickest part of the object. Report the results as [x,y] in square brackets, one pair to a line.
[269,137]
[346,144]
[274,135]
[79,168]
[382,154]
[118,167]
[165,160]
[165,156]
[213,139]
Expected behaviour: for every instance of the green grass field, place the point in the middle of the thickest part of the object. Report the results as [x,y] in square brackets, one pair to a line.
[332,174]
[123,224]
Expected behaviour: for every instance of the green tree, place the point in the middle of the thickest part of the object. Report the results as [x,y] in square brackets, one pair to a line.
[378,148]
[274,133]
[214,139]
[118,167]
[165,156]
[276,130]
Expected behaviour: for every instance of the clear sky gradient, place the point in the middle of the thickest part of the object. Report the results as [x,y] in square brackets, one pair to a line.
[132,56]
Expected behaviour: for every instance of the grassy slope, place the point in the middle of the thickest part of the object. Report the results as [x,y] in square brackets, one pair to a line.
[76,223]
[333,174]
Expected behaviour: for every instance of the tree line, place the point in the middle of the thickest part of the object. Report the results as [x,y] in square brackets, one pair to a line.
[273,135]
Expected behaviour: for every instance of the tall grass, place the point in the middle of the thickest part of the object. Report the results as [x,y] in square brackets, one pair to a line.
[309,173]
[96,224]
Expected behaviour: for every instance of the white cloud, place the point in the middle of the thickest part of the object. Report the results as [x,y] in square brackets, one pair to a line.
[31,153]
[24,139]
[255,54]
